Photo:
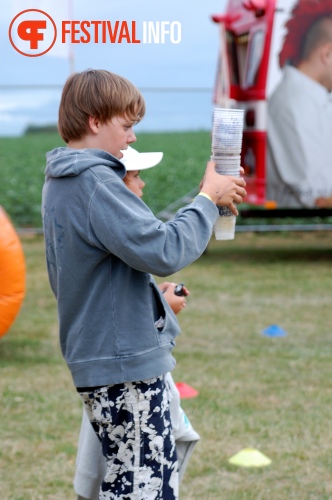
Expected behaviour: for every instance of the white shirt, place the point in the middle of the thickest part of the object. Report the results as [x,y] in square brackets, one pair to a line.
[299,168]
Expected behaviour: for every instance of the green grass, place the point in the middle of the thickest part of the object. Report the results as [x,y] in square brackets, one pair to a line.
[22,165]
[273,394]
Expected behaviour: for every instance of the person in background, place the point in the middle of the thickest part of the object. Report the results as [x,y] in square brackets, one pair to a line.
[90,462]
[299,172]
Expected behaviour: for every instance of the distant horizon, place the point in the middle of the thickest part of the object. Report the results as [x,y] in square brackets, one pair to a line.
[167,110]
[190,64]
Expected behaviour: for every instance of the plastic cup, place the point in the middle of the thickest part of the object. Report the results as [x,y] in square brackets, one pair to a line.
[225,171]
[227,160]
[227,165]
[227,135]
[228,118]
[224,154]
[224,228]
[227,112]
[225,145]
[227,129]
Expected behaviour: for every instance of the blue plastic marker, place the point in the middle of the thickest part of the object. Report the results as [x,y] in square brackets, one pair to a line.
[274,331]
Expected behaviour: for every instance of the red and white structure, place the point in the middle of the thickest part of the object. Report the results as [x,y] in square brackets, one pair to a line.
[251,36]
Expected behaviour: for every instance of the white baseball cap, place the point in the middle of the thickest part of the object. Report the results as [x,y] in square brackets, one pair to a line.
[133,160]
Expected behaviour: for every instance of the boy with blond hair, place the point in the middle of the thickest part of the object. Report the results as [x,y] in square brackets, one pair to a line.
[117,332]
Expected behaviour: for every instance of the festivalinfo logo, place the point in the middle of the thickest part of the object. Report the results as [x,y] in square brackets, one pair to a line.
[33,32]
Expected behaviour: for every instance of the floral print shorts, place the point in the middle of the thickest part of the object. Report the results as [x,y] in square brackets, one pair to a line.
[132,421]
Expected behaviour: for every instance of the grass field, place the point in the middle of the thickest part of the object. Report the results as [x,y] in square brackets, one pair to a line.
[272,394]
[22,165]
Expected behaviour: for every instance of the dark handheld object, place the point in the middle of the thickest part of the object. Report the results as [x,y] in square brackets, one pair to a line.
[179,291]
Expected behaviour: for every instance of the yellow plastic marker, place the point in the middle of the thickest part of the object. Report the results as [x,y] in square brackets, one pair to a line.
[249,457]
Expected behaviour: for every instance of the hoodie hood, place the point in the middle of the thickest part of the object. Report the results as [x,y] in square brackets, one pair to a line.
[68,162]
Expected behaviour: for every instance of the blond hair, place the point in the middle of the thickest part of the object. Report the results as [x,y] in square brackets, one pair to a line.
[97,93]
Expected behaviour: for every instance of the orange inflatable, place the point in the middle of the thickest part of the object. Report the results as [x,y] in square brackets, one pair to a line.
[12,273]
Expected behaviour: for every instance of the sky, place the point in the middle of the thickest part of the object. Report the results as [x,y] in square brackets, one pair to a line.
[191,62]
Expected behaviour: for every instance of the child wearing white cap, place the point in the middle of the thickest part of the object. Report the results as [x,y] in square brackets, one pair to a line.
[90,462]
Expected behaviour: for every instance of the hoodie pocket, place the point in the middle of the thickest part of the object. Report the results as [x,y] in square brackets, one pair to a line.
[159,313]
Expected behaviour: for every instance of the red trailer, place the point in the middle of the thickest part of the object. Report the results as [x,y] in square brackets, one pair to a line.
[251,36]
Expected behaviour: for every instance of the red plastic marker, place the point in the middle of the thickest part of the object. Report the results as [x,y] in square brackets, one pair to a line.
[186,391]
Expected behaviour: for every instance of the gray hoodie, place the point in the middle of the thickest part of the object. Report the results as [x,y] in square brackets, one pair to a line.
[102,242]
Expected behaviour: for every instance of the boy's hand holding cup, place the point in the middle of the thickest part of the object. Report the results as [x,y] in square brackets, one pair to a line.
[224,190]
